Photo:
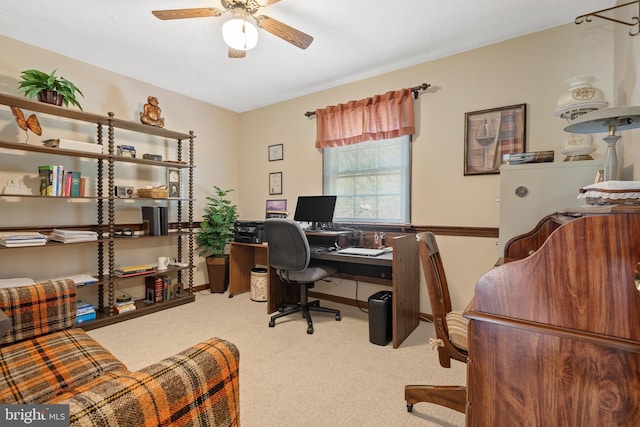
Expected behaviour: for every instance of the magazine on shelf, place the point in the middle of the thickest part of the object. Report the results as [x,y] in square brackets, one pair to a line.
[73,236]
[17,239]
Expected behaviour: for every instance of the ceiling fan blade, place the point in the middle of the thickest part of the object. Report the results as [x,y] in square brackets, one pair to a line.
[236,53]
[201,12]
[285,32]
[266,3]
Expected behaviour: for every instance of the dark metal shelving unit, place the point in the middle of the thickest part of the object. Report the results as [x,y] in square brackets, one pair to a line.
[106,228]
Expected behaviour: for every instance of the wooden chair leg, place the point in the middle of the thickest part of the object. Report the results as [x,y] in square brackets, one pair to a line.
[454,397]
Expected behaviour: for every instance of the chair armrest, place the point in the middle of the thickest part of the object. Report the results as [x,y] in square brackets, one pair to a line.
[200,383]
[38,309]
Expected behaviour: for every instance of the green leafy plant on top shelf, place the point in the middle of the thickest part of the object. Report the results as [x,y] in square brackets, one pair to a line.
[37,83]
[217,225]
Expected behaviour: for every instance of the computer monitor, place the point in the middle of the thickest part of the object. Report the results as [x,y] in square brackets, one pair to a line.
[315,209]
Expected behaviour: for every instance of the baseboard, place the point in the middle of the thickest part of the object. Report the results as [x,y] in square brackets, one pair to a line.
[199,288]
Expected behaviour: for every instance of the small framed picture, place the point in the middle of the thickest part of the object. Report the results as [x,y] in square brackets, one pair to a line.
[174,183]
[276,152]
[277,208]
[491,134]
[275,183]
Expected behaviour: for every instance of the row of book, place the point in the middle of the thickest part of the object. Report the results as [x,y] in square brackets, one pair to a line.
[55,181]
[162,288]
[85,312]
[155,221]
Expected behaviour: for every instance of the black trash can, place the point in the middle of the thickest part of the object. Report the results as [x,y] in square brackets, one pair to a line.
[380,318]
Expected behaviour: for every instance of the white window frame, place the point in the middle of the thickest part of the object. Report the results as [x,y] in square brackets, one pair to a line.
[385,181]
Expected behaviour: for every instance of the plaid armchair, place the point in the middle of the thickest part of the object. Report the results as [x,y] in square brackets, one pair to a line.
[45,359]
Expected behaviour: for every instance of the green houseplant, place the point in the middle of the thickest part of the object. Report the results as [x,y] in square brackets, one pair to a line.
[216,231]
[49,88]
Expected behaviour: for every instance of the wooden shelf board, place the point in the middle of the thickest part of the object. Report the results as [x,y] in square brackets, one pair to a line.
[142,308]
[68,113]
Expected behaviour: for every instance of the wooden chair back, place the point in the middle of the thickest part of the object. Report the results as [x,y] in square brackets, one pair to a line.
[436,281]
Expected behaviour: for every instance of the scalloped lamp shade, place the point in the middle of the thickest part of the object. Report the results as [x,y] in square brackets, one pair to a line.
[240,34]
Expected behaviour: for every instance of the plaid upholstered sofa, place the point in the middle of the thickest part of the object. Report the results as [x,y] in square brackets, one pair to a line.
[45,359]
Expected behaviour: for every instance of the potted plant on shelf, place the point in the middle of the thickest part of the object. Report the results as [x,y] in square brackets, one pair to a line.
[216,231]
[49,88]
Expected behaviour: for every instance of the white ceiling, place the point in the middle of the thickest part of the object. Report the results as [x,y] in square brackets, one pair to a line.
[353,39]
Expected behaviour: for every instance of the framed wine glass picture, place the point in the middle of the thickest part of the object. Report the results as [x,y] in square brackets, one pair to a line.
[490,135]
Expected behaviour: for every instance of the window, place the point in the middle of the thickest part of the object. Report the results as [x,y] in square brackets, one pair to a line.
[371,180]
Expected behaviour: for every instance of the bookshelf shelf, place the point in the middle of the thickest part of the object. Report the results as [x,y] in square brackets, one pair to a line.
[103,202]
[142,308]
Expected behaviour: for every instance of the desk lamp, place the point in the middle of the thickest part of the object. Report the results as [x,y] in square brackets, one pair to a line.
[607,119]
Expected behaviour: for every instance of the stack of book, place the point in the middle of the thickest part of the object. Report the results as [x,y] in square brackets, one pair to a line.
[134,270]
[73,236]
[16,239]
[84,312]
[79,279]
[124,306]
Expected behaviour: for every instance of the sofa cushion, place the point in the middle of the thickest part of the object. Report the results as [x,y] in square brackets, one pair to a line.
[5,323]
[35,370]
[38,309]
[458,327]
[198,386]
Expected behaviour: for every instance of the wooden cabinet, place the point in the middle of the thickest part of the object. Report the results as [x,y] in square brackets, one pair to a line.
[555,336]
[102,200]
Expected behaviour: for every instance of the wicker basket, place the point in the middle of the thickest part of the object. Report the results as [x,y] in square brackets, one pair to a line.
[153,193]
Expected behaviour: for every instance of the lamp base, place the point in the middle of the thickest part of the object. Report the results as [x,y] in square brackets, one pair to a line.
[611,159]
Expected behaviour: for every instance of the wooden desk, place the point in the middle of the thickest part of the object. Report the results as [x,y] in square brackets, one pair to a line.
[242,258]
[398,269]
[554,337]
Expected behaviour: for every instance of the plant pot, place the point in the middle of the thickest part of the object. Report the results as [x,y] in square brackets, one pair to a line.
[50,97]
[218,271]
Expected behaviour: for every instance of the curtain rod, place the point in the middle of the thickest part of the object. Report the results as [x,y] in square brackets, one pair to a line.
[415,89]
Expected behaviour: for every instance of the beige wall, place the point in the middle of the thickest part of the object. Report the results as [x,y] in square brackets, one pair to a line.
[531,69]
[232,148]
[216,147]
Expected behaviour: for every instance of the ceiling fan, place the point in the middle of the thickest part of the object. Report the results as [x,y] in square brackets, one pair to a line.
[239,32]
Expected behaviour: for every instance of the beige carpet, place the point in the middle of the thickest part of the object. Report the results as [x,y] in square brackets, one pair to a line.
[334,377]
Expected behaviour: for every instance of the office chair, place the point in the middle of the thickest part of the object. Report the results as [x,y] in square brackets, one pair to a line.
[289,254]
[451,331]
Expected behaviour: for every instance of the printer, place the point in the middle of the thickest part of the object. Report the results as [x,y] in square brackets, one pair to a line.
[249,231]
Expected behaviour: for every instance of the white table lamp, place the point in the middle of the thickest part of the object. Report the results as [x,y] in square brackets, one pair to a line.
[608,120]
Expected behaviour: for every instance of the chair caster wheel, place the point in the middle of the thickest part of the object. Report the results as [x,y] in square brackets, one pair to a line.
[272,323]
[409,407]
[310,330]
[338,318]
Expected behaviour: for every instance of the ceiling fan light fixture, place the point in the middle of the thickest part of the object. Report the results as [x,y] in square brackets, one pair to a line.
[240,34]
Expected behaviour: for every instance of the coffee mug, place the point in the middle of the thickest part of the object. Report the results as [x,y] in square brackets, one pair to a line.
[163,262]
